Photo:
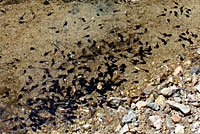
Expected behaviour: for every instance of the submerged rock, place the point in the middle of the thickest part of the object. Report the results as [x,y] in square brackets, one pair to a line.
[183,108]
[130,117]
[156,121]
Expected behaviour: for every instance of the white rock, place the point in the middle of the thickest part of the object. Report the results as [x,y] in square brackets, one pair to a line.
[183,108]
[86,126]
[167,91]
[198,50]
[156,121]
[198,87]
[195,125]
[124,129]
[160,100]
[179,129]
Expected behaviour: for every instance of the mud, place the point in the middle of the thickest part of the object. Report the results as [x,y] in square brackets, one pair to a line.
[54,54]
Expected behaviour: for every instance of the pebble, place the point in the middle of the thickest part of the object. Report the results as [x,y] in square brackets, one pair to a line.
[192,97]
[148,90]
[99,86]
[153,106]
[188,63]
[169,122]
[190,120]
[198,50]
[133,105]
[86,126]
[129,101]
[141,104]
[195,69]
[195,125]
[130,117]
[178,71]
[176,118]
[179,129]
[198,87]
[167,91]
[114,102]
[183,108]
[125,129]
[160,100]
[156,121]
[194,79]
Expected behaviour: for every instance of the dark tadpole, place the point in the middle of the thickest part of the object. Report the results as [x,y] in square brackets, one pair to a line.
[46,53]
[166,35]
[163,40]
[181,10]
[161,15]
[52,62]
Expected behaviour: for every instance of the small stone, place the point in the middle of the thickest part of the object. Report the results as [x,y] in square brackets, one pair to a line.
[198,87]
[133,131]
[99,86]
[183,108]
[169,122]
[194,79]
[188,63]
[121,111]
[195,125]
[129,101]
[190,120]
[86,126]
[176,118]
[133,106]
[114,102]
[141,104]
[156,121]
[179,129]
[148,90]
[195,69]
[198,50]
[160,100]
[178,71]
[166,91]
[192,97]
[135,124]
[82,122]
[130,117]
[55,132]
[125,129]
[170,80]
[153,106]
